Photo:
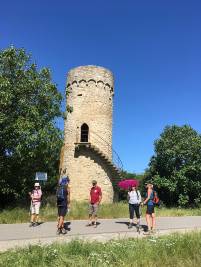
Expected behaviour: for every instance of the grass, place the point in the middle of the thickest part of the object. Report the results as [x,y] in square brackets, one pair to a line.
[174,250]
[79,210]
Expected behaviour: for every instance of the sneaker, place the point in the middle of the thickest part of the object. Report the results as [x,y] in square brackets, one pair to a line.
[95,225]
[89,224]
[59,231]
[32,224]
[130,225]
[63,231]
[37,224]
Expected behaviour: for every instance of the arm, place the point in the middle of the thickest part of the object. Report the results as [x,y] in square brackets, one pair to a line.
[90,197]
[148,197]
[68,196]
[128,196]
[100,197]
[140,198]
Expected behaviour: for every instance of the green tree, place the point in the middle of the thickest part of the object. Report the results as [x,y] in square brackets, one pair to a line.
[176,166]
[29,141]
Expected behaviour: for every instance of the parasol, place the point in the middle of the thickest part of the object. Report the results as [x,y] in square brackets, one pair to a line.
[126,184]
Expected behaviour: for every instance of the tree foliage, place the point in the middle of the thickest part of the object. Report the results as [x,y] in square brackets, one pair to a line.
[29,140]
[176,166]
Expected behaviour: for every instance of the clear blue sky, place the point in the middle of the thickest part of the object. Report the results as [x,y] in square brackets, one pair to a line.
[152,47]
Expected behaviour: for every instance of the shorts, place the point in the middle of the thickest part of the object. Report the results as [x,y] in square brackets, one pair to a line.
[150,209]
[62,210]
[35,208]
[93,209]
[134,208]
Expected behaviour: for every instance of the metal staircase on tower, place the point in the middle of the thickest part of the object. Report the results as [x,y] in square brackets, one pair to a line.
[114,164]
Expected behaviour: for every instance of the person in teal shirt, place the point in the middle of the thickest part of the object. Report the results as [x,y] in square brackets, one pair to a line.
[150,213]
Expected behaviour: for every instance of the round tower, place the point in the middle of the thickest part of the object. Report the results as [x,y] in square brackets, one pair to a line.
[87,152]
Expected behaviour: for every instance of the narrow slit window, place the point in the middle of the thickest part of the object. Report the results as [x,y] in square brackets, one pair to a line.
[84,133]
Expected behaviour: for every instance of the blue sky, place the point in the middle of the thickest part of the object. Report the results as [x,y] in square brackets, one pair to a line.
[152,47]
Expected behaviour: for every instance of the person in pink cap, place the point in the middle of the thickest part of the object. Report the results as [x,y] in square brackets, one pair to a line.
[35,196]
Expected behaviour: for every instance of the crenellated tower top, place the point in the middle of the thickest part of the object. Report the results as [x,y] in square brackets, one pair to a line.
[88,74]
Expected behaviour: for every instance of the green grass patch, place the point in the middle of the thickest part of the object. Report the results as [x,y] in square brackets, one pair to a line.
[174,250]
[79,210]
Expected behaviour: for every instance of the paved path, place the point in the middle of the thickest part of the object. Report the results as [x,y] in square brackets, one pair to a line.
[12,235]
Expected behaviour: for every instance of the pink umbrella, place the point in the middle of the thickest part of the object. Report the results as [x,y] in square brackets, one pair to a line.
[126,184]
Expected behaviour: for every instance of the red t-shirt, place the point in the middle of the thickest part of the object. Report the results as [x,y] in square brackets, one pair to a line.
[95,194]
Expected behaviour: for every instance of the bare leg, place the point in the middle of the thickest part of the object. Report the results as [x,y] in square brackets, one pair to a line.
[148,220]
[33,216]
[37,217]
[153,221]
[95,220]
[61,222]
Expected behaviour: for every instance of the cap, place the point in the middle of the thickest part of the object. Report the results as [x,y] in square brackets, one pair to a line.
[94,182]
[36,184]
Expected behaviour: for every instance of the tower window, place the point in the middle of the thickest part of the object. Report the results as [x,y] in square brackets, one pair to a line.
[84,133]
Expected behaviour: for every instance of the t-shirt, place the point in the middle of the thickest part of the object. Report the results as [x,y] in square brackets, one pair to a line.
[95,194]
[36,193]
[150,201]
[134,197]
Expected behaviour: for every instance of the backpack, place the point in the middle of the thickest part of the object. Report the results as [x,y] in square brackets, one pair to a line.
[156,199]
[60,194]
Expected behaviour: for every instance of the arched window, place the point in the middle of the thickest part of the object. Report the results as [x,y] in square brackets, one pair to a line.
[84,133]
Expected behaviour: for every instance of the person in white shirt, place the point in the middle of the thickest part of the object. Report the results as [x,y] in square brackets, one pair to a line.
[134,200]
[35,196]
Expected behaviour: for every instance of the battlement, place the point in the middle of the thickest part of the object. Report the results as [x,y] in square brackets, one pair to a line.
[90,76]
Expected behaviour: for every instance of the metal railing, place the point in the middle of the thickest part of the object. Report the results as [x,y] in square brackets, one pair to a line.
[108,148]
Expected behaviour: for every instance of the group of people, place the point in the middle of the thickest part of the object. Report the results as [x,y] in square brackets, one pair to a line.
[135,203]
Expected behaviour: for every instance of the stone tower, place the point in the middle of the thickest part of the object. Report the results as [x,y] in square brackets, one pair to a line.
[87,153]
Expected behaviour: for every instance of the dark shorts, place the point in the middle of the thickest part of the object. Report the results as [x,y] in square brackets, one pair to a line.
[150,209]
[134,208]
[62,210]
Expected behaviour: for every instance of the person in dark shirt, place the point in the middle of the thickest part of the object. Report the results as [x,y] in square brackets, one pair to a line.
[150,213]
[63,203]
[94,202]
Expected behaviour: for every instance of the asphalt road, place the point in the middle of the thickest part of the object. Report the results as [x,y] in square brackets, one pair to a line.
[12,235]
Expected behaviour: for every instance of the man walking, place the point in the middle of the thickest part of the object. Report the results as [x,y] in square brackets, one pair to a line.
[63,203]
[94,202]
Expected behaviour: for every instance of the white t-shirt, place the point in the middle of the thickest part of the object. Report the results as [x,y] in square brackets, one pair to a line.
[134,197]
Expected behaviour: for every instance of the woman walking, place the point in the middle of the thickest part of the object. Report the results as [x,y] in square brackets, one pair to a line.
[35,196]
[134,200]
[150,214]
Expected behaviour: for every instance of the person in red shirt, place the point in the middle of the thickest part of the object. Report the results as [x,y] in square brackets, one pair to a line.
[94,202]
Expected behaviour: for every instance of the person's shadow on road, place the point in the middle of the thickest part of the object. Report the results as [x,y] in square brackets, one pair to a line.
[67,226]
[143,226]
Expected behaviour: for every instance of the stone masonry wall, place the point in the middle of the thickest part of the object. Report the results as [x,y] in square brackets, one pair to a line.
[91,97]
